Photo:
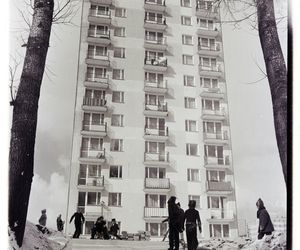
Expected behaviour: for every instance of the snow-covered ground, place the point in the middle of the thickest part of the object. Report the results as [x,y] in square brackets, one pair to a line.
[35,240]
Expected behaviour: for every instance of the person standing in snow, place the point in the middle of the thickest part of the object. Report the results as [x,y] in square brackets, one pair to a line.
[59,224]
[79,220]
[43,218]
[265,223]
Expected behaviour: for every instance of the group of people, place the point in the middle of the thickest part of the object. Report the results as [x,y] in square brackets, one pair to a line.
[191,219]
[43,220]
[99,228]
[179,220]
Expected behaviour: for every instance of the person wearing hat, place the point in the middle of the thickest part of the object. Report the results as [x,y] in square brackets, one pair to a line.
[265,223]
[43,218]
[174,214]
[192,217]
[114,229]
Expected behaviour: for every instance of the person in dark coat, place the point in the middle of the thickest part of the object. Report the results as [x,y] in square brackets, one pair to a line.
[59,224]
[43,218]
[79,220]
[174,212]
[192,217]
[100,227]
[265,223]
[114,229]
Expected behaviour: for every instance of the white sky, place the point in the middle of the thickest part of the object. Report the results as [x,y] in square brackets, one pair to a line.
[256,161]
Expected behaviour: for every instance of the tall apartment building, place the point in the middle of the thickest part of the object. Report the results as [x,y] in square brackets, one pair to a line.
[151,116]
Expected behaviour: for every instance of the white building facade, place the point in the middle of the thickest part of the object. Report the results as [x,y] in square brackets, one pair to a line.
[151,116]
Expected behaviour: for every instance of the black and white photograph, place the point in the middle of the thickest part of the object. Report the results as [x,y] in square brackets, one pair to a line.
[148,124]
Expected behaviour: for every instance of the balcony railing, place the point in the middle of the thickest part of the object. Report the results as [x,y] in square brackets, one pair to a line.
[97,181]
[163,107]
[99,102]
[98,57]
[94,153]
[156,2]
[99,34]
[160,21]
[100,13]
[158,132]
[213,112]
[215,68]
[155,212]
[215,47]
[158,157]
[221,214]
[156,40]
[218,136]
[157,183]
[157,84]
[212,90]
[93,78]
[205,8]
[89,126]
[225,160]
[160,61]
[219,186]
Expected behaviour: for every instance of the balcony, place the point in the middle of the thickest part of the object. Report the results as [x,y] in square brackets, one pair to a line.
[157,110]
[156,159]
[157,184]
[211,70]
[155,43]
[99,37]
[216,138]
[220,215]
[155,5]
[91,183]
[217,162]
[213,32]
[99,17]
[155,212]
[104,2]
[156,134]
[156,64]
[212,93]
[203,11]
[102,60]
[214,50]
[94,129]
[94,104]
[157,24]
[209,114]
[218,186]
[159,87]
[92,155]
[96,82]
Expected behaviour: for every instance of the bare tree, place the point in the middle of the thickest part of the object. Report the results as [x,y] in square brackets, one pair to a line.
[24,121]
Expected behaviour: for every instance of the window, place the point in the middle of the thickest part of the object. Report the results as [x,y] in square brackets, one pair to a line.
[216,176]
[92,143]
[118,96]
[96,51]
[152,172]
[98,31]
[119,52]
[187,39]
[119,31]
[189,81]
[114,199]
[191,126]
[92,119]
[116,145]
[219,230]
[189,102]
[120,12]
[216,202]
[117,120]
[187,59]
[213,151]
[152,36]
[156,200]
[99,10]
[186,3]
[206,43]
[154,77]
[208,104]
[155,123]
[156,229]
[193,174]
[118,74]
[206,24]
[154,18]
[213,128]
[154,147]
[195,198]
[209,82]
[94,74]
[186,20]
[191,149]
[115,172]
[208,61]
[155,100]
[93,198]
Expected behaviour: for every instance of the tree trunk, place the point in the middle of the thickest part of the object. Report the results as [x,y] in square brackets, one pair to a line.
[23,131]
[277,74]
